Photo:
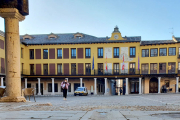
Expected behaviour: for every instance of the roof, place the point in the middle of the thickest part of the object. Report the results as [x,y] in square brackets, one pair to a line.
[178,39]
[1,33]
[68,38]
[152,42]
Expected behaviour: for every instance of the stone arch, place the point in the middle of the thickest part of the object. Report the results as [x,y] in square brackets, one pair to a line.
[153,85]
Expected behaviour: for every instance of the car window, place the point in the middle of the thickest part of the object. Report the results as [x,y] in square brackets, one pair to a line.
[79,89]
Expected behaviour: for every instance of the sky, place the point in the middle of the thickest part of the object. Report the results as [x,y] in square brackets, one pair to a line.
[150,19]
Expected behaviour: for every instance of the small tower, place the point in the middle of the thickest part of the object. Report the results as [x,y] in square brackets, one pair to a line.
[116,35]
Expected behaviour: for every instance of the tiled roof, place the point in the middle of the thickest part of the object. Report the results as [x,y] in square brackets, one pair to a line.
[151,42]
[69,39]
[1,33]
[178,39]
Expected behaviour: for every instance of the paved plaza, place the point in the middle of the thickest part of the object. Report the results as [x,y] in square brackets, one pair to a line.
[132,107]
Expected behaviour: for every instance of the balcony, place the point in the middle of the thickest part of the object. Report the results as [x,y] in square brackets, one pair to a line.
[101,72]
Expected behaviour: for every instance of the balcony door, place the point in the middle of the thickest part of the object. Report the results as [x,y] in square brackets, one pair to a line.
[45,69]
[116,68]
[131,68]
[171,68]
[100,68]
[88,68]
[153,67]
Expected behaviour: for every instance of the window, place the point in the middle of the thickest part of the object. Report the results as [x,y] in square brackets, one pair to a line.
[100,68]
[145,68]
[132,52]
[116,68]
[59,53]
[154,52]
[50,87]
[131,68]
[45,54]
[172,51]
[116,52]
[153,67]
[179,52]
[26,38]
[162,68]
[69,87]
[21,52]
[45,67]
[100,52]
[22,68]
[73,69]
[145,53]
[28,85]
[52,38]
[179,68]
[31,69]
[88,53]
[59,69]
[73,53]
[31,53]
[88,68]
[162,52]
[171,68]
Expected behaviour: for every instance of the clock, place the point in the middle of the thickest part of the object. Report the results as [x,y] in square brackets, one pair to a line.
[116,36]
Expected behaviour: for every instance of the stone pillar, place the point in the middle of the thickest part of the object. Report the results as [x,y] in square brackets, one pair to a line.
[140,86]
[105,86]
[25,82]
[12,54]
[177,84]
[127,86]
[81,82]
[159,84]
[52,86]
[39,86]
[2,83]
[95,86]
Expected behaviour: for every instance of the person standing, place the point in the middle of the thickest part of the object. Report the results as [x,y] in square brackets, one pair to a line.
[64,86]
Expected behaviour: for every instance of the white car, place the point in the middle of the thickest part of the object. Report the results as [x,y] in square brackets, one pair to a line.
[81,91]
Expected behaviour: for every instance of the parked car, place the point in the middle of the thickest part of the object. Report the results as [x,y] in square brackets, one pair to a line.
[81,91]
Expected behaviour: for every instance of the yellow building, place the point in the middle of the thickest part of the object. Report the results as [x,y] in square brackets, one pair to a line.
[103,65]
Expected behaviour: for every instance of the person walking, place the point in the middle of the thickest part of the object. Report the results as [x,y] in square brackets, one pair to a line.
[64,86]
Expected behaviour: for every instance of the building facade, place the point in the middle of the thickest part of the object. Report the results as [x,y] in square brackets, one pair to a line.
[103,65]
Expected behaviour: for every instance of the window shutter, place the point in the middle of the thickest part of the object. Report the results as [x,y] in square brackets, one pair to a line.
[38,53]
[66,53]
[66,68]
[51,53]
[52,68]
[80,69]
[2,65]
[38,69]
[80,52]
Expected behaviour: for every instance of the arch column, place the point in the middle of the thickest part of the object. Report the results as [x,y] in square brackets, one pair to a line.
[177,84]
[12,54]
[39,86]
[52,86]
[2,82]
[159,84]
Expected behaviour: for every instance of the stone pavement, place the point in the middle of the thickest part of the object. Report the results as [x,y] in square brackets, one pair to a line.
[90,115]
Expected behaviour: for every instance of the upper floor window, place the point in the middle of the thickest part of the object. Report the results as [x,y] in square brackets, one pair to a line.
[31,51]
[45,54]
[51,38]
[116,52]
[100,52]
[59,53]
[26,38]
[73,53]
[162,52]
[21,52]
[172,51]
[154,52]
[132,52]
[88,53]
[145,53]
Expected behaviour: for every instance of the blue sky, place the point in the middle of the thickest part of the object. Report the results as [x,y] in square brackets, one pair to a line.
[150,19]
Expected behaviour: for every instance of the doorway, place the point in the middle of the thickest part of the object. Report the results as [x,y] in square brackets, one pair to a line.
[153,85]
[40,90]
[134,87]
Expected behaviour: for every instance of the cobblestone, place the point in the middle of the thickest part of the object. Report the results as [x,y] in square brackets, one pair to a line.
[160,102]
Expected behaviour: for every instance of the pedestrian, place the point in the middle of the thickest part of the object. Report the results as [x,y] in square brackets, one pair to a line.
[120,91]
[64,86]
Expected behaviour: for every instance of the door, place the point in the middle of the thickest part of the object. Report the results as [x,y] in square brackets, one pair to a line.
[88,69]
[134,87]
[40,90]
[73,69]
[116,68]
[45,69]
[144,69]
[153,85]
[131,68]
[100,68]
[76,85]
